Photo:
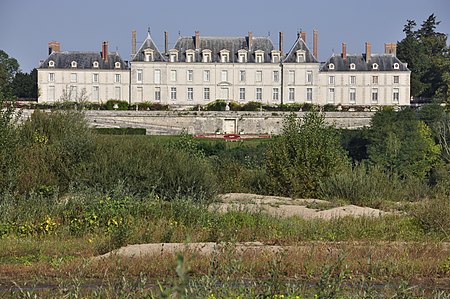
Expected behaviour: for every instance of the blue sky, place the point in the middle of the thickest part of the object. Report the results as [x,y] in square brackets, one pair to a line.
[27,25]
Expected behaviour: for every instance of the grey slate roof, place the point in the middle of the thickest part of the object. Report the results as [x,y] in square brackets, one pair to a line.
[148,44]
[385,63]
[299,44]
[63,60]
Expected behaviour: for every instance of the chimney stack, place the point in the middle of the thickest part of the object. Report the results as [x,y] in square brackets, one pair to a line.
[344,50]
[133,42]
[368,51]
[53,47]
[315,44]
[390,48]
[250,40]
[105,51]
[166,42]
[197,40]
[303,35]
[280,42]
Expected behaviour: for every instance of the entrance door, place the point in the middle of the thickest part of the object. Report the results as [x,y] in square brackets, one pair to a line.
[229,126]
[224,93]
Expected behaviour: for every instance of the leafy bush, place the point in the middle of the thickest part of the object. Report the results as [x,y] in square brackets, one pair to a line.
[218,105]
[251,106]
[121,131]
[121,105]
[433,215]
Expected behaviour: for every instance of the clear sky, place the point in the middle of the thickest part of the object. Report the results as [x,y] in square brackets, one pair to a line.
[26,26]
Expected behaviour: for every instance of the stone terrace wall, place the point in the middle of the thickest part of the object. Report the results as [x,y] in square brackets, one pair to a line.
[210,122]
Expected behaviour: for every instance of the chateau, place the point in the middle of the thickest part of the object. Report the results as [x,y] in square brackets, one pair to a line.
[199,70]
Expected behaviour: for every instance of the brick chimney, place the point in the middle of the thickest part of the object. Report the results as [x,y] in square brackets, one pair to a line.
[390,48]
[105,51]
[315,44]
[53,47]
[197,40]
[250,40]
[303,35]
[344,50]
[166,42]
[368,51]
[133,42]
[280,42]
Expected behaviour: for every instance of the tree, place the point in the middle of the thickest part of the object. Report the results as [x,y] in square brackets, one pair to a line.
[24,85]
[306,152]
[8,69]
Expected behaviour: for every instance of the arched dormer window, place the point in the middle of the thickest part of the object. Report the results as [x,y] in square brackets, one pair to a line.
[148,55]
[73,64]
[259,56]
[331,66]
[396,66]
[275,56]
[117,65]
[300,56]
[242,56]
[51,63]
[224,56]
[95,64]
[352,66]
[173,55]
[375,66]
[190,55]
[206,55]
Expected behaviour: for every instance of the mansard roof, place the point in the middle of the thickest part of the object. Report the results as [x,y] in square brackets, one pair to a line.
[232,44]
[299,45]
[84,60]
[148,44]
[385,62]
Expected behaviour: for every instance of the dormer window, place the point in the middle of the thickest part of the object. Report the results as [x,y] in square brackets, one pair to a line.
[396,66]
[206,54]
[117,65]
[95,64]
[51,63]
[275,56]
[190,56]
[73,64]
[224,56]
[300,56]
[259,56]
[148,55]
[173,54]
[242,56]
[352,66]
[331,66]
[375,66]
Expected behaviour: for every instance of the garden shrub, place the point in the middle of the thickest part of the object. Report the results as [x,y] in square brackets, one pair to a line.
[121,105]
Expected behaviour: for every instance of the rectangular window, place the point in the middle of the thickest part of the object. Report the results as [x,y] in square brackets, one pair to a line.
[190,75]
[259,58]
[206,75]
[51,93]
[330,96]
[117,93]
[242,57]
[276,76]
[375,80]
[224,76]
[73,77]
[157,93]
[396,79]
[275,94]
[51,77]
[157,78]
[396,95]
[95,93]
[117,78]
[352,96]
[258,76]
[173,93]
[291,77]
[94,78]
[242,76]
[291,94]
[173,57]
[173,75]
[259,94]
[309,94]
[241,93]
[140,94]
[73,93]
[352,80]
[190,57]
[309,77]
[331,80]
[206,93]
[375,96]
[139,76]
[190,93]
